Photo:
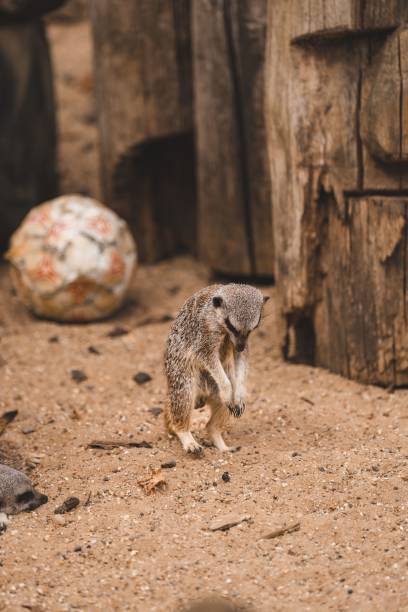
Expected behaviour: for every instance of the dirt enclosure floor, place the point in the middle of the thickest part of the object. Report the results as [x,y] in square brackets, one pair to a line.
[317,450]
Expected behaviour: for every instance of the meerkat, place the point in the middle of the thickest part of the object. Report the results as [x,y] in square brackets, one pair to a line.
[17,494]
[206,359]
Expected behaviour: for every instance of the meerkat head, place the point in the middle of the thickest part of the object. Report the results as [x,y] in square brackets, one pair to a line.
[238,311]
[17,494]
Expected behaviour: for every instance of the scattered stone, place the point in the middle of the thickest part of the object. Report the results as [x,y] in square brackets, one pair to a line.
[174,289]
[78,548]
[155,411]
[78,376]
[117,332]
[69,504]
[280,532]
[168,464]
[349,591]
[111,444]
[28,430]
[141,378]
[295,454]
[93,350]
[53,339]
[58,520]
[226,477]
[224,523]
[322,469]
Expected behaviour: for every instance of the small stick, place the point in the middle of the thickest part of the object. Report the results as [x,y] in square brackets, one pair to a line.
[282,531]
[110,444]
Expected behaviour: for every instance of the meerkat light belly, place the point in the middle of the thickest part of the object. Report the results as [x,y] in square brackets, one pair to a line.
[206,359]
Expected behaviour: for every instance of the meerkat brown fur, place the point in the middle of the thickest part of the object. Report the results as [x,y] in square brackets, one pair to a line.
[206,359]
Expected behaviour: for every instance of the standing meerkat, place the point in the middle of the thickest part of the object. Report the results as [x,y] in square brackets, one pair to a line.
[206,359]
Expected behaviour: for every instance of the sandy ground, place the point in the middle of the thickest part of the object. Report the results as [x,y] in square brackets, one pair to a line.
[317,450]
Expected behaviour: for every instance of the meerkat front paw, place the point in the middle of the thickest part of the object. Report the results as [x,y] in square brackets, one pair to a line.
[3,522]
[237,408]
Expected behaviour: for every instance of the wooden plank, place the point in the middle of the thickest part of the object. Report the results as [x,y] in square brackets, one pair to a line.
[235,216]
[144,95]
[364,301]
[27,124]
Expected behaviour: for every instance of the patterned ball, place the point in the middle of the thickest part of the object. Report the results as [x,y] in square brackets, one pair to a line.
[72,259]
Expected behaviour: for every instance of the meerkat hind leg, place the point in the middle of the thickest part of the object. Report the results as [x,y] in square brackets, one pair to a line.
[188,442]
[219,416]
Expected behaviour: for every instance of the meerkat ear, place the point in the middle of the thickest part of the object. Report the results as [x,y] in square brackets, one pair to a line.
[266,298]
[217,301]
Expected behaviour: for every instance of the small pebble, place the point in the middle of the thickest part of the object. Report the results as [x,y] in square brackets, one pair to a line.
[59,520]
[168,464]
[117,332]
[93,350]
[226,477]
[142,377]
[69,504]
[78,548]
[155,411]
[53,339]
[78,376]
[28,430]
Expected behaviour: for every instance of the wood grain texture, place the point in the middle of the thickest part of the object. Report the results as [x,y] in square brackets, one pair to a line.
[385,101]
[319,19]
[363,305]
[144,93]
[336,125]
[235,214]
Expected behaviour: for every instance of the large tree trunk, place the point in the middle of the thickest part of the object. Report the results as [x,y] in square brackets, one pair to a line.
[144,99]
[235,213]
[337,115]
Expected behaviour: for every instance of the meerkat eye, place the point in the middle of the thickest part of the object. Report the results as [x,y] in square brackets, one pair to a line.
[232,329]
[24,497]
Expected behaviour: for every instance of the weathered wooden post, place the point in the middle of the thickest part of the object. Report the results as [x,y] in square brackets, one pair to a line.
[27,114]
[234,204]
[144,100]
[337,116]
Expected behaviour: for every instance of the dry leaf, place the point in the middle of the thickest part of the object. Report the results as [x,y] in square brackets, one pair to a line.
[153,481]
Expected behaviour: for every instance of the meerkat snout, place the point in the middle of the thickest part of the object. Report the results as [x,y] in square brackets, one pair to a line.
[206,359]
[17,494]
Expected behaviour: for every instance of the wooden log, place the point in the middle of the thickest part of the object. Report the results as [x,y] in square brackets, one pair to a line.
[235,213]
[144,100]
[27,124]
[336,135]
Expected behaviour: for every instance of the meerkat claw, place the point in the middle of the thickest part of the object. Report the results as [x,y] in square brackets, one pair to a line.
[195,450]
[237,410]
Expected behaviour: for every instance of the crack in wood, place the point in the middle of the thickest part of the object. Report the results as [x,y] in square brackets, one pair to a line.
[241,133]
[359,142]
[401,102]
